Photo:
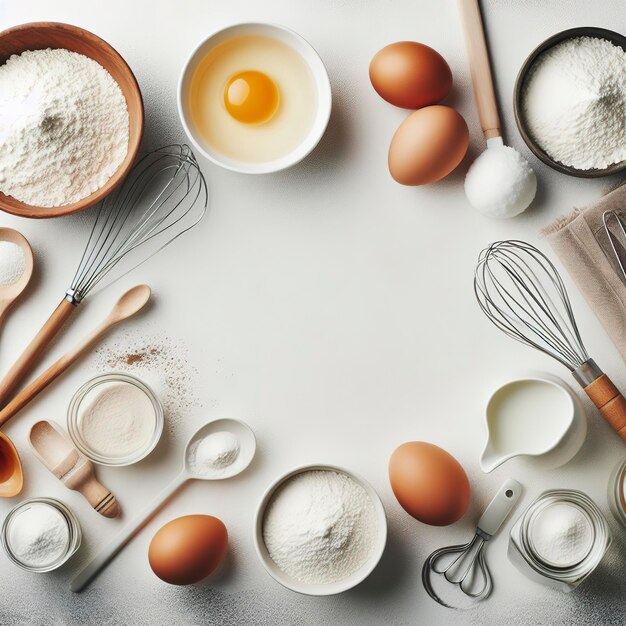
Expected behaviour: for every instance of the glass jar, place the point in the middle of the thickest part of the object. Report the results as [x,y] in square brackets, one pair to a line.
[617,492]
[80,404]
[567,571]
[11,526]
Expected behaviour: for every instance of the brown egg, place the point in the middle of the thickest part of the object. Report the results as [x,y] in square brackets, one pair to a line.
[429,483]
[188,549]
[410,75]
[428,145]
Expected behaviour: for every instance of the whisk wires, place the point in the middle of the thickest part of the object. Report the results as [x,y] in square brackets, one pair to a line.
[521,292]
[163,197]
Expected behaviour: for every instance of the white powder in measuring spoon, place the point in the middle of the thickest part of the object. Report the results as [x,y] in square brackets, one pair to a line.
[574,103]
[38,535]
[213,454]
[64,127]
[562,534]
[117,419]
[320,527]
[12,263]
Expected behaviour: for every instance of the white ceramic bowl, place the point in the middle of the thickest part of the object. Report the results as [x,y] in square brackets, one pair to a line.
[320,76]
[322,589]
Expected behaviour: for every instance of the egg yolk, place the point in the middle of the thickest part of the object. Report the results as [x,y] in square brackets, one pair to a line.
[251,97]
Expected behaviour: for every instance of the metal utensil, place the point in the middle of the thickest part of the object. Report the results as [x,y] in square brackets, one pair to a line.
[521,292]
[247,443]
[163,196]
[615,227]
[465,565]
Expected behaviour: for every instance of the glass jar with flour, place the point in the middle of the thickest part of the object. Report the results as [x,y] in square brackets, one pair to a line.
[115,419]
[560,539]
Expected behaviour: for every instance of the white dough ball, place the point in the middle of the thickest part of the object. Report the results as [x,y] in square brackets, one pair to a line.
[500,183]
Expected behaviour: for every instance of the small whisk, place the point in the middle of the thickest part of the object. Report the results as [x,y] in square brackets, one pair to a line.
[465,565]
[521,292]
[163,196]
[615,227]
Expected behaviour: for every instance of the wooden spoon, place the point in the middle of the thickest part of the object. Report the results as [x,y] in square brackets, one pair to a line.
[10,293]
[128,305]
[11,475]
[56,451]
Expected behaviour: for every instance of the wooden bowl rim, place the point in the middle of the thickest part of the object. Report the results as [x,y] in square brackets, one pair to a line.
[557,38]
[35,212]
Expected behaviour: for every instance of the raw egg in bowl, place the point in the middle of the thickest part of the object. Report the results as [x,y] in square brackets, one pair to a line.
[254,98]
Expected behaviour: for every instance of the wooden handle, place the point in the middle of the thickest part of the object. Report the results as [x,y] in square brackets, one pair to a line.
[611,403]
[82,478]
[34,350]
[100,498]
[480,68]
[51,374]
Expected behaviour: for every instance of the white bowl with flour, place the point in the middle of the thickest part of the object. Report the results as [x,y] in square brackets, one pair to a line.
[569,100]
[320,530]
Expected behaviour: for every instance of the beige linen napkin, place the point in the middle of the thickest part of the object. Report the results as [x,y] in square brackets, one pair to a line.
[583,246]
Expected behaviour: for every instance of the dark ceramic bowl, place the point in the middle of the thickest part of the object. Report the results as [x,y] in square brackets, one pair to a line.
[600,33]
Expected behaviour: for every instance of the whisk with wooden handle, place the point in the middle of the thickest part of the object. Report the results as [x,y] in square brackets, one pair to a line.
[163,196]
[521,292]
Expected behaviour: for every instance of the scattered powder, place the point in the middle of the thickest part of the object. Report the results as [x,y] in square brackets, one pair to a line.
[64,127]
[12,263]
[38,535]
[320,527]
[214,453]
[574,103]
[117,419]
[562,534]
[164,364]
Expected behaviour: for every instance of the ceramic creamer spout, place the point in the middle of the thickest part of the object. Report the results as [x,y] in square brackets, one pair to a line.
[490,459]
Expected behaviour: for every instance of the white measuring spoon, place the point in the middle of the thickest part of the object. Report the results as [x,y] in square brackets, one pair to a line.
[247,448]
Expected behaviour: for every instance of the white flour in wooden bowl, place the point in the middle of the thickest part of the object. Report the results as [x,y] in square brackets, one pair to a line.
[64,127]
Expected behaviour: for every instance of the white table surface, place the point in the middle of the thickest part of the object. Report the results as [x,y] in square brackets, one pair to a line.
[331,309]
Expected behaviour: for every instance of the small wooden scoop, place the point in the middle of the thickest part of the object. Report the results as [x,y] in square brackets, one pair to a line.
[55,450]
[10,293]
[11,476]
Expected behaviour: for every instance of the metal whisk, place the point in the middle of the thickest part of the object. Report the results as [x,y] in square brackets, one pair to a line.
[163,196]
[465,565]
[521,292]
[615,228]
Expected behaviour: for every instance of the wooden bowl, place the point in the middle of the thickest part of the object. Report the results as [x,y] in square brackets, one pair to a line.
[42,35]
[586,31]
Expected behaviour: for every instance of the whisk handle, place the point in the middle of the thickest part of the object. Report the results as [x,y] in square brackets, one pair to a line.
[611,403]
[34,351]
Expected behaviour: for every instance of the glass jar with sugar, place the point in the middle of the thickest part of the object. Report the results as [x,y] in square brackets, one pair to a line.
[40,534]
[560,539]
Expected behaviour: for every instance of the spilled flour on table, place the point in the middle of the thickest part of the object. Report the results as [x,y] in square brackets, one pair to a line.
[161,362]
